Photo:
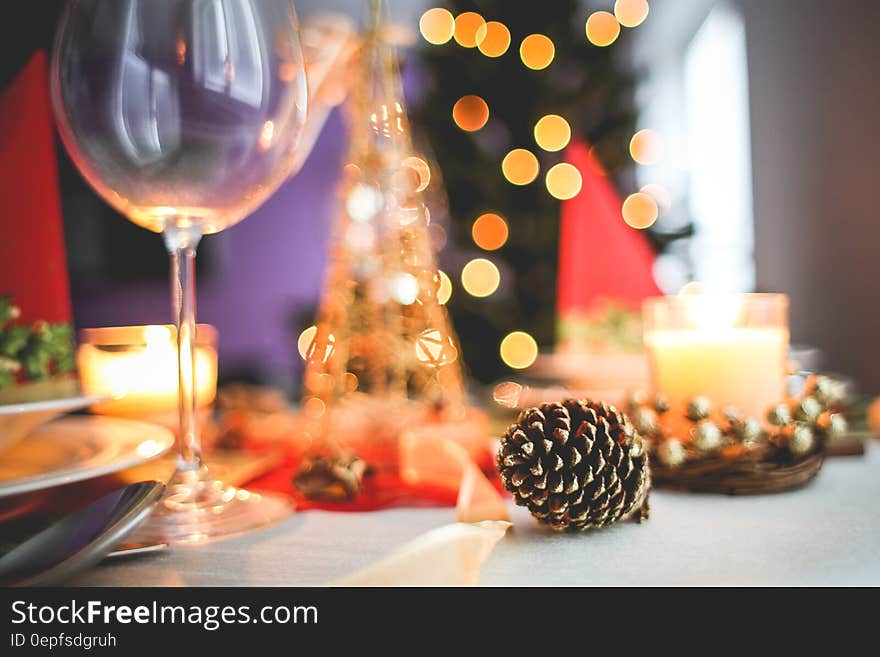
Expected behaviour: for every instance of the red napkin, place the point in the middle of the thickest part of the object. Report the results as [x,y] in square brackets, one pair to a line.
[33,265]
[600,257]
[389,487]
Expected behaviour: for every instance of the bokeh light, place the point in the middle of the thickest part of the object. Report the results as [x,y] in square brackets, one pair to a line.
[435,349]
[489,231]
[563,181]
[267,135]
[639,210]
[552,132]
[421,168]
[319,383]
[404,288]
[518,350]
[405,180]
[444,291]
[602,28]
[470,113]
[493,39]
[437,235]
[467,26]
[646,146]
[661,196]
[437,26]
[314,407]
[363,202]
[305,341]
[670,272]
[480,277]
[537,51]
[692,287]
[507,394]
[520,166]
[310,348]
[631,13]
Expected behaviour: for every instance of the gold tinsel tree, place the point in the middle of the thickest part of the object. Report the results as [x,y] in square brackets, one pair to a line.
[382,353]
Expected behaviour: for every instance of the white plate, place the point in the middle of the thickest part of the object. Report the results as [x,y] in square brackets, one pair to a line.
[17,420]
[76,448]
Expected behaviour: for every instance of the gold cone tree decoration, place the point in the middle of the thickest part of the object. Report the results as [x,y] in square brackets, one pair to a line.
[383,352]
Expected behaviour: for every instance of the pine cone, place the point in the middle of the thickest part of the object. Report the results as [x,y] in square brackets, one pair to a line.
[575,465]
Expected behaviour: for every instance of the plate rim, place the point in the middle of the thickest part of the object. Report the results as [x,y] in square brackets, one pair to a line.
[60,476]
[56,404]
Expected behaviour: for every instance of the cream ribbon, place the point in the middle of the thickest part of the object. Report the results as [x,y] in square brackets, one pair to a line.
[451,555]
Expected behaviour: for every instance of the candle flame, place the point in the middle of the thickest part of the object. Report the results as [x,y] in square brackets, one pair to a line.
[712,313]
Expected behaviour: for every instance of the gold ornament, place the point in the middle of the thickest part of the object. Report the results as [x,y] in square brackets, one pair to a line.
[731,453]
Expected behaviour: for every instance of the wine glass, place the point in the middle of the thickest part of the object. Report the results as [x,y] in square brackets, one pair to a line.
[185,116]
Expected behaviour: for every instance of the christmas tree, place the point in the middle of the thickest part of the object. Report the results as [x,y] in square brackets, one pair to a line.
[518,75]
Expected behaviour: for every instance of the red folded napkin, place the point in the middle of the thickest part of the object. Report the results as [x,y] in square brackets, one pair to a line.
[33,264]
[424,471]
[600,257]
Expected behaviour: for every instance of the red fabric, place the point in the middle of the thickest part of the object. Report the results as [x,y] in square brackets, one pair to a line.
[380,490]
[600,257]
[33,265]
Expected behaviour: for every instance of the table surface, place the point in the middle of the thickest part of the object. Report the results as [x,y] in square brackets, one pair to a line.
[827,533]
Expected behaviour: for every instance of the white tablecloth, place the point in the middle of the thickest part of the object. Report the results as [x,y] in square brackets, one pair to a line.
[825,534]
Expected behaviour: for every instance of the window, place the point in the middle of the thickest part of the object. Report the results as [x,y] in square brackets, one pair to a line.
[719,154]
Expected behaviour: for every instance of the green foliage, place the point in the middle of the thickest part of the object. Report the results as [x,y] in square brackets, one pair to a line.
[611,327]
[586,85]
[33,352]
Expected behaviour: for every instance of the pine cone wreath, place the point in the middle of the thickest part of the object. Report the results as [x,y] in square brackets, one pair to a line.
[576,465]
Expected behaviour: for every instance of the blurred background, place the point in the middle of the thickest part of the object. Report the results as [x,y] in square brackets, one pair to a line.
[739,137]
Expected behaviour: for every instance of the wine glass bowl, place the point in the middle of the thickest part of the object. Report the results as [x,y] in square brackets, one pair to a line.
[185,115]
[182,111]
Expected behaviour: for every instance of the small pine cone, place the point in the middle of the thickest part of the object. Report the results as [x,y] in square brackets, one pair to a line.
[746,429]
[838,425]
[698,409]
[808,410]
[575,465]
[827,391]
[661,404]
[671,452]
[644,420]
[801,440]
[779,415]
[708,437]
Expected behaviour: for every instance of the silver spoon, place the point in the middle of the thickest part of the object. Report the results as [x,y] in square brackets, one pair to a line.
[81,539]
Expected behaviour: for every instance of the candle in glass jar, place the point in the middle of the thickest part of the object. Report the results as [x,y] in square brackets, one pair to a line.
[731,349]
[137,366]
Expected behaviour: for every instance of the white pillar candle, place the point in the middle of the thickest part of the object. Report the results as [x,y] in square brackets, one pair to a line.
[137,365]
[731,349]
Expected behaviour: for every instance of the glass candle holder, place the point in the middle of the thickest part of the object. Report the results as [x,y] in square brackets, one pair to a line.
[137,366]
[732,349]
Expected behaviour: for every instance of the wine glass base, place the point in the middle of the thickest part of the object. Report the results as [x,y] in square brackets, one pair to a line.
[197,509]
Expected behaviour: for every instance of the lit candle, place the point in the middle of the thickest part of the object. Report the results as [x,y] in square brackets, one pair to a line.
[137,366]
[731,349]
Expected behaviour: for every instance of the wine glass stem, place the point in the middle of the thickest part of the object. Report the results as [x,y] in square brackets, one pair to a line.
[181,243]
